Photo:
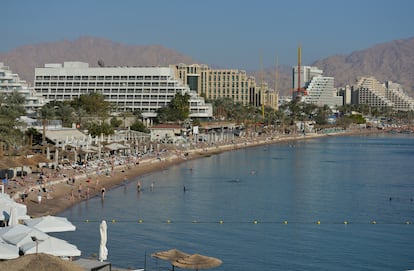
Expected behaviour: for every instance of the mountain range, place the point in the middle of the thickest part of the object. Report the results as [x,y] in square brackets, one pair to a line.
[393,61]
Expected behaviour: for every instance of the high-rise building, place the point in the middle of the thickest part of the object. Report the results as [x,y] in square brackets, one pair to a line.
[226,83]
[10,82]
[317,89]
[217,83]
[370,91]
[127,88]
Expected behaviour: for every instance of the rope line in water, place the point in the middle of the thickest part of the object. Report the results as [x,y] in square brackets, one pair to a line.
[255,222]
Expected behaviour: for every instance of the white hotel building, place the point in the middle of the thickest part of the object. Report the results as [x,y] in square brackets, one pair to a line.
[320,90]
[10,82]
[126,88]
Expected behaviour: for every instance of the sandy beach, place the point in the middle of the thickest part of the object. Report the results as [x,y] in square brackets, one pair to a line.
[62,193]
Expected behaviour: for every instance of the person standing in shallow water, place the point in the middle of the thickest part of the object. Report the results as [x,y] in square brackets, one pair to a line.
[103,192]
[138,186]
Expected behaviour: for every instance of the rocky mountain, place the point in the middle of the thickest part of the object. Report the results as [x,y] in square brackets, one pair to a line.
[391,61]
[388,61]
[23,60]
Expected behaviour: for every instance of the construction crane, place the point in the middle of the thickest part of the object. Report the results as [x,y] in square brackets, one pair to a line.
[299,90]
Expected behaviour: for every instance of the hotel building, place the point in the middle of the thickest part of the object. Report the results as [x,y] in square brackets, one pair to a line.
[225,83]
[370,91]
[318,89]
[10,82]
[126,88]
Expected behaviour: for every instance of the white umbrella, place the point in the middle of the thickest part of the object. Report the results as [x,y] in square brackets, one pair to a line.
[50,224]
[19,235]
[13,219]
[8,251]
[103,251]
[53,246]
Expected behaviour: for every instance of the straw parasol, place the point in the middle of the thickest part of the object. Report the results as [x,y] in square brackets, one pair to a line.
[39,262]
[170,255]
[197,261]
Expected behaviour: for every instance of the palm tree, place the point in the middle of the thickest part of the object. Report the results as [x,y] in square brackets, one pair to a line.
[45,113]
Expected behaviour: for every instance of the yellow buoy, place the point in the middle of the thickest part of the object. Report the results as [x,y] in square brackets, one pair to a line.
[374,222]
[87,220]
[345,222]
[407,222]
[168,221]
[113,221]
[140,221]
[221,221]
[255,222]
[318,222]
[285,222]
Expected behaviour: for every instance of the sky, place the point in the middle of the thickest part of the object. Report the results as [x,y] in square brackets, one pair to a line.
[237,34]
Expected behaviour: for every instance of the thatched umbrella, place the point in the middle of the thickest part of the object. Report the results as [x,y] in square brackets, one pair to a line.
[197,261]
[170,255]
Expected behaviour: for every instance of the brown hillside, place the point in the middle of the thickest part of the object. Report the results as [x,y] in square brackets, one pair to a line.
[23,60]
[387,61]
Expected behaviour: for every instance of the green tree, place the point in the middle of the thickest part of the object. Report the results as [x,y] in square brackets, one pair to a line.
[93,104]
[139,126]
[96,129]
[177,110]
[11,108]
[45,113]
[66,113]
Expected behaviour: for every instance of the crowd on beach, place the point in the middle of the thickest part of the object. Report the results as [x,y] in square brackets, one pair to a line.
[53,189]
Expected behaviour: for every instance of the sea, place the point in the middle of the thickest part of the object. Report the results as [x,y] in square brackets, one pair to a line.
[329,203]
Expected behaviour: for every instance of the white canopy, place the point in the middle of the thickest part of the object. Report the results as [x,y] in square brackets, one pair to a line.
[8,251]
[52,246]
[50,224]
[6,204]
[19,235]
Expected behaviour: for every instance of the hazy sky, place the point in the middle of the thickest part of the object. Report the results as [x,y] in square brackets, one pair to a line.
[227,33]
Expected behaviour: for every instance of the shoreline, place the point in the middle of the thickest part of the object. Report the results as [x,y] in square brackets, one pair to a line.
[64,194]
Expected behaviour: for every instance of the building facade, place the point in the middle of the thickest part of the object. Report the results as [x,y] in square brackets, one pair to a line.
[127,88]
[316,88]
[10,82]
[369,91]
[226,83]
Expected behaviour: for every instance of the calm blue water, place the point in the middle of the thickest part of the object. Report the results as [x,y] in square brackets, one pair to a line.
[332,179]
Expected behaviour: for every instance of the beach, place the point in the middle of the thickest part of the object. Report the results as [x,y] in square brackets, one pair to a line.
[59,192]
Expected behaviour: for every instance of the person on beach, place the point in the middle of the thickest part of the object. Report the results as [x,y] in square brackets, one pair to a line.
[39,197]
[80,191]
[87,192]
[152,186]
[103,192]
[139,186]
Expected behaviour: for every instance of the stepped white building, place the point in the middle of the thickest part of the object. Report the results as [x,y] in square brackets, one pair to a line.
[319,89]
[127,88]
[10,82]
[370,91]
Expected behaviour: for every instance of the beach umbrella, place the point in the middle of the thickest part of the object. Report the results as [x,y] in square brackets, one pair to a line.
[170,255]
[19,235]
[197,261]
[50,224]
[13,219]
[52,246]
[8,251]
[103,251]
